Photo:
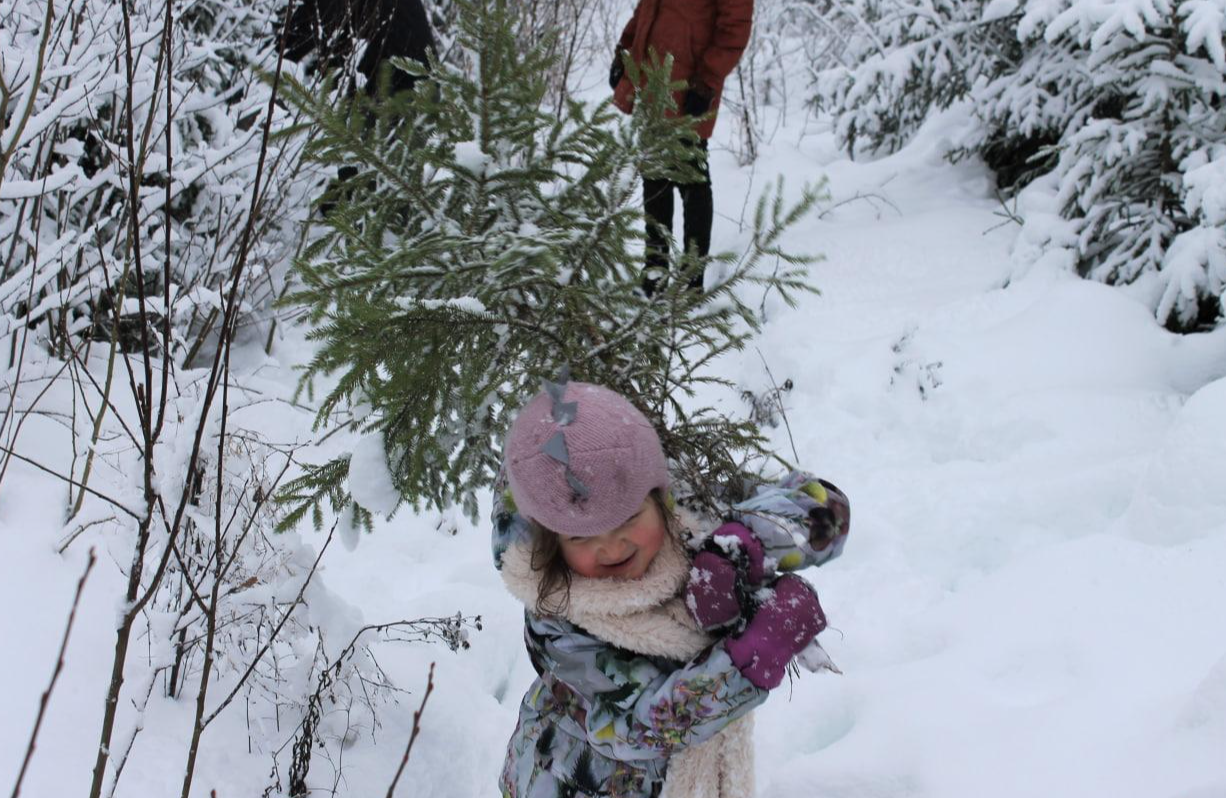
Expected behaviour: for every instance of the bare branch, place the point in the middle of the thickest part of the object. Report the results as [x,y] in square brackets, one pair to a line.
[55,674]
[114,502]
[782,411]
[15,137]
[416,729]
[272,638]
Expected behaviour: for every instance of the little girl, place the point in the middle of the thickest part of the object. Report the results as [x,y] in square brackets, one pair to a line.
[647,670]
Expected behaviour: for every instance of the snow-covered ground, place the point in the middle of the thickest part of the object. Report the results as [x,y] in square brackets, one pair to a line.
[1031,602]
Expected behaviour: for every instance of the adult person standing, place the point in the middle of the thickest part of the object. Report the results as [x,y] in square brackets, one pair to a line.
[331,30]
[706,39]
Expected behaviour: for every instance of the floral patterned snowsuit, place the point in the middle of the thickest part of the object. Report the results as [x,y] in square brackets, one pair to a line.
[603,721]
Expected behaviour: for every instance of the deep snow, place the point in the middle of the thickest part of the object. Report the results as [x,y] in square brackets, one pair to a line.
[1030,602]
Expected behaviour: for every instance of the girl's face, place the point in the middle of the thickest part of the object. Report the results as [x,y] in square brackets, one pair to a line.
[622,553]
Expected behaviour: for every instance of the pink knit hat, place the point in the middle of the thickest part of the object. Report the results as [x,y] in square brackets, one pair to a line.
[580,458]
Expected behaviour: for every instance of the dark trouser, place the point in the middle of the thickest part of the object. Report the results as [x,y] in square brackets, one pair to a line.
[697,208]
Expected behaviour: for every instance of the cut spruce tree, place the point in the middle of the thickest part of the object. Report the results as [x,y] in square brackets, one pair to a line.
[478,244]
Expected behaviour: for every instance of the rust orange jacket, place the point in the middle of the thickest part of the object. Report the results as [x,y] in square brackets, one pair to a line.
[705,37]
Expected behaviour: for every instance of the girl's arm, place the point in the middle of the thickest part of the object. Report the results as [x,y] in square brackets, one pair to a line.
[801,521]
[634,708]
[509,526]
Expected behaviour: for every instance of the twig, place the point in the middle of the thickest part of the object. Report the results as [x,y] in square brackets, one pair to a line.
[782,412]
[753,170]
[1006,213]
[206,669]
[11,411]
[55,674]
[71,538]
[122,758]
[36,80]
[413,735]
[25,336]
[71,481]
[272,637]
[105,392]
[871,198]
[167,310]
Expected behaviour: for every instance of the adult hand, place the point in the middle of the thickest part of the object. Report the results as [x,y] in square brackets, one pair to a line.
[697,100]
[616,70]
[783,626]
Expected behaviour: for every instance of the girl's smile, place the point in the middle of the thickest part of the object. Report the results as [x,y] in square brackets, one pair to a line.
[623,562]
[622,553]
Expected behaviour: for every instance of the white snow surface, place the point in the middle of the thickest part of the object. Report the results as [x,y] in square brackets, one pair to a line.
[370,480]
[1030,602]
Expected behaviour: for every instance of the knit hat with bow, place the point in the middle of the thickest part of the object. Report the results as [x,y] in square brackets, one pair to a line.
[580,459]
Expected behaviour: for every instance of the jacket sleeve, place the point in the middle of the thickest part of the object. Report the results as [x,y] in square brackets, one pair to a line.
[733,22]
[633,708]
[627,38]
[508,525]
[801,521]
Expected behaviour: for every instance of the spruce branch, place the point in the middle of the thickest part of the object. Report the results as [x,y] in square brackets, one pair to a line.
[480,240]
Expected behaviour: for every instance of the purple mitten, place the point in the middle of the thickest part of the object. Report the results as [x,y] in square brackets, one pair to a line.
[710,595]
[741,544]
[782,627]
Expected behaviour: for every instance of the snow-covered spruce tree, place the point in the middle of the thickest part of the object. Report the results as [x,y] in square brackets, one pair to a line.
[484,242]
[1123,101]
[901,60]
[1156,115]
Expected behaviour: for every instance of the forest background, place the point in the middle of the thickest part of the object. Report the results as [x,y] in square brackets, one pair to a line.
[1015,368]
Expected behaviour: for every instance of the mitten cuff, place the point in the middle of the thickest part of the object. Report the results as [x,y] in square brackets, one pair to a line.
[734,540]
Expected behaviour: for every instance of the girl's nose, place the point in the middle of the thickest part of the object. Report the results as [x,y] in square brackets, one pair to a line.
[615,552]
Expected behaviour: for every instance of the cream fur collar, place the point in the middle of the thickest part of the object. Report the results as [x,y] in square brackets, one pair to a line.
[645,615]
